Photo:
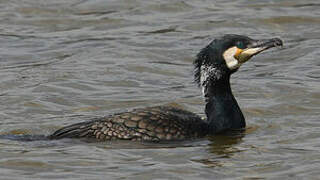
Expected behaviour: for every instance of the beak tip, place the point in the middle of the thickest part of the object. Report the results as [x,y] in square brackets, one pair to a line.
[277,42]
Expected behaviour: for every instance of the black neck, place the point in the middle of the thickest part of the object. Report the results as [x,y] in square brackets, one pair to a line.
[222,109]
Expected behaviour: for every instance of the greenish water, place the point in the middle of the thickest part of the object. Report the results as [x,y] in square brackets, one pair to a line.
[63,62]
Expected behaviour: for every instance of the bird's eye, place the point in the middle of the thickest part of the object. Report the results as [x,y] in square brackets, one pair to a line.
[241,45]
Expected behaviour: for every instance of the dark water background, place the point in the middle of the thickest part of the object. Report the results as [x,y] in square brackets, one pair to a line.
[63,62]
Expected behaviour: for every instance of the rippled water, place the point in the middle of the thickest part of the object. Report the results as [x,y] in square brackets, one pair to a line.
[64,62]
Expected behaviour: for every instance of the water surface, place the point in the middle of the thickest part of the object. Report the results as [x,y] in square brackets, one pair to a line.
[63,62]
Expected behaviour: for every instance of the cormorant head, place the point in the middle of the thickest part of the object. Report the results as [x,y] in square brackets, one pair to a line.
[223,56]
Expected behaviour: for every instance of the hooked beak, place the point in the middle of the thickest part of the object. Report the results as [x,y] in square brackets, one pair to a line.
[256,47]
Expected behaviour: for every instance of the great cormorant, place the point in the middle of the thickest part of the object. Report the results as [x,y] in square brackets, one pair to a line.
[213,65]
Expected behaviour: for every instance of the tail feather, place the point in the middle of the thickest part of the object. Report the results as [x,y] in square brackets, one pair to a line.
[78,130]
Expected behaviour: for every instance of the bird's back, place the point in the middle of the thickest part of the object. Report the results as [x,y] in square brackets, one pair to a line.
[149,124]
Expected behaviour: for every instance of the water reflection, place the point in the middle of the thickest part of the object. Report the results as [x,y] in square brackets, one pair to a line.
[221,147]
[224,144]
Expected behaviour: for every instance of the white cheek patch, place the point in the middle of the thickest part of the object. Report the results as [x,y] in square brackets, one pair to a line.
[231,61]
